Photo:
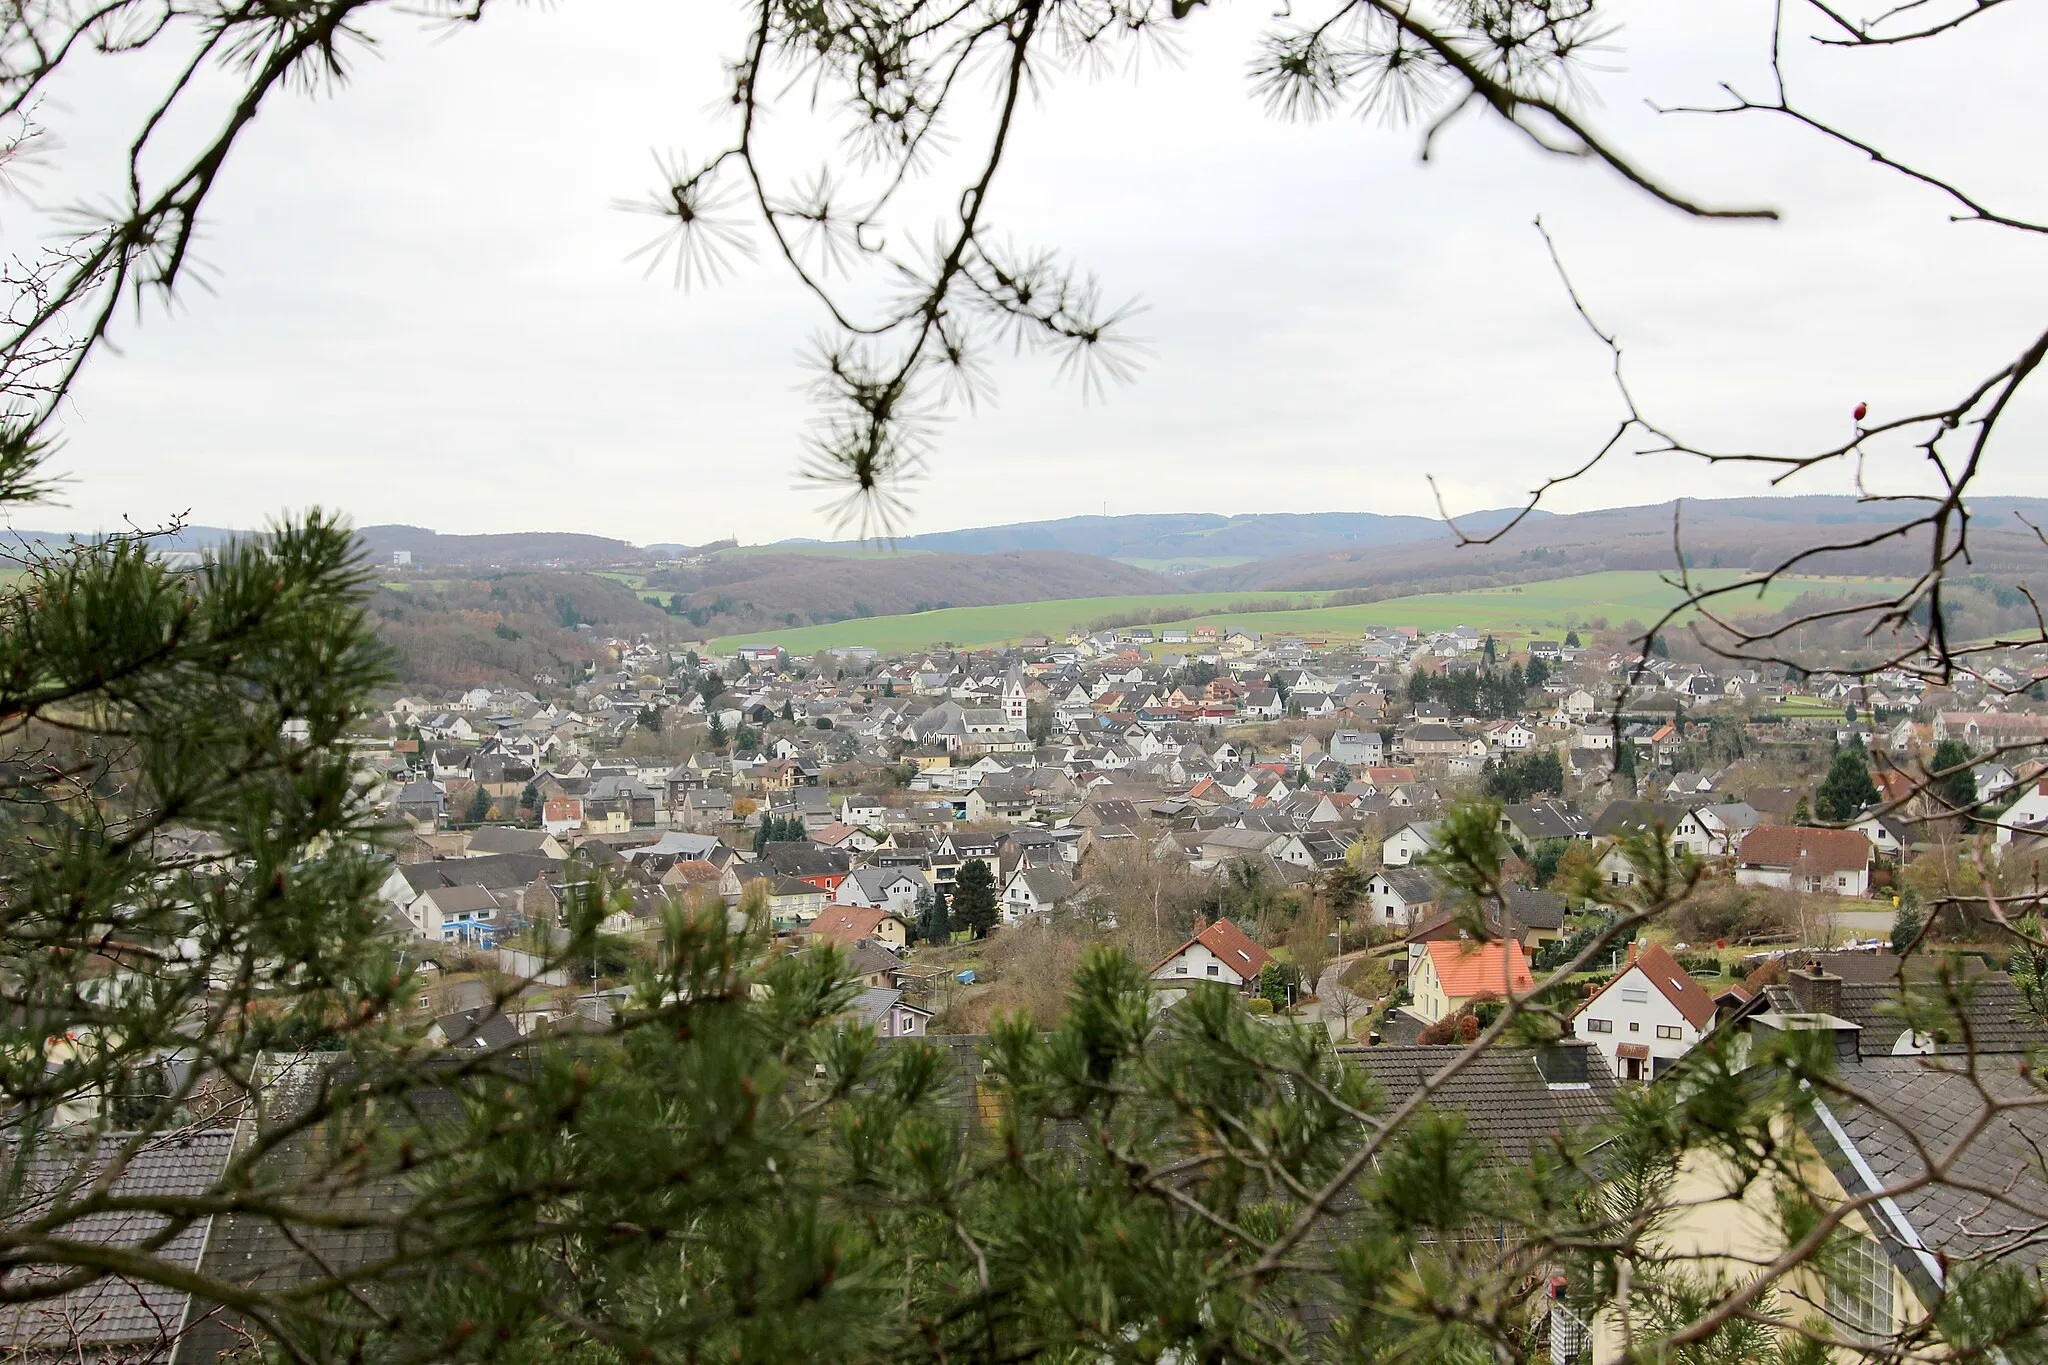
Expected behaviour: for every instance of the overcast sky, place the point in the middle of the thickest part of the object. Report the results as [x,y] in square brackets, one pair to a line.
[420,306]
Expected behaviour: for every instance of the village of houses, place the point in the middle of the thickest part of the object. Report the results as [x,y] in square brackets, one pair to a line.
[848,795]
[1214,752]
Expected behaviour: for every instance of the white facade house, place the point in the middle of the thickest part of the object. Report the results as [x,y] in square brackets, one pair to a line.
[1034,891]
[1400,896]
[1220,953]
[1648,1017]
[882,888]
[2030,809]
[1408,843]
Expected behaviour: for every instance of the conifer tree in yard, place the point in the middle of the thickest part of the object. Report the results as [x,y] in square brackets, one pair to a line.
[974,898]
[1847,791]
[1953,783]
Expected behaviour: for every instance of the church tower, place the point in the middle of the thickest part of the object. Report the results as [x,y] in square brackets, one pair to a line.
[1015,705]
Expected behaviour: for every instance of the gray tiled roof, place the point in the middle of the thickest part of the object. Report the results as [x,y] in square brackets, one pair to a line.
[1991,1006]
[1932,1100]
[141,1317]
[1503,1094]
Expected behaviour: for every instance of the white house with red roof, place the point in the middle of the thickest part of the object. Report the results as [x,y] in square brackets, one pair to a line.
[1827,862]
[1648,1017]
[1221,952]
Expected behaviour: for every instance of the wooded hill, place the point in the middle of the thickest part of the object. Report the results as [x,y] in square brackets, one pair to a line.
[508,629]
[1734,533]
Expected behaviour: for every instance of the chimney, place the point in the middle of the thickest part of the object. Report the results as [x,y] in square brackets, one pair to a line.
[1563,1062]
[1819,991]
[1632,946]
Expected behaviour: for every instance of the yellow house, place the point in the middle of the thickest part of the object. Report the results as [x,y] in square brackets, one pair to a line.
[1892,1259]
[1449,974]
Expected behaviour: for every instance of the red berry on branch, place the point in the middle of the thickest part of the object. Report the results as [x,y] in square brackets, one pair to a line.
[1862,410]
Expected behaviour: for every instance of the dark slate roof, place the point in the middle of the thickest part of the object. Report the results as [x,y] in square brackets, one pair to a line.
[498,871]
[1934,1100]
[1546,820]
[1995,1013]
[142,1318]
[1535,909]
[1414,885]
[1631,817]
[1503,1094]
[477,1030]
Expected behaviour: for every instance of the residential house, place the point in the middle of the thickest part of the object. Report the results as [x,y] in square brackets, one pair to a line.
[1833,862]
[1219,952]
[1034,891]
[1540,821]
[887,888]
[1647,1017]
[886,1011]
[848,924]
[1400,897]
[1450,975]
[1357,748]
[1408,843]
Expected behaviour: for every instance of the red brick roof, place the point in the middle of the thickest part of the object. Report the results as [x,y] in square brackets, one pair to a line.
[1671,981]
[1230,944]
[1466,968]
[1805,850]
[849,924]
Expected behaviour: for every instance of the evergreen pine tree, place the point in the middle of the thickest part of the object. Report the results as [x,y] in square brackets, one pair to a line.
[974,898]
[1847,791]
[1955,784]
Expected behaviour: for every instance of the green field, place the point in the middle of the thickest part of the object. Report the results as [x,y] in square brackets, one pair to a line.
[972,626]
[1513,613]
[1547,607]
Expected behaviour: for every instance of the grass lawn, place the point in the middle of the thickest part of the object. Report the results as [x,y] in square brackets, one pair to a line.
[1514,613]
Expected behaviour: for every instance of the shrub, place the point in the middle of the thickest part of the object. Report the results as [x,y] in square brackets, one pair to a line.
[1258,1004]
[1729,910]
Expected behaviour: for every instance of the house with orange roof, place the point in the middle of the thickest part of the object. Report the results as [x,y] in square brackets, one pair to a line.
[1647,1017]
[847,925]
[1219,952]
[1448,976]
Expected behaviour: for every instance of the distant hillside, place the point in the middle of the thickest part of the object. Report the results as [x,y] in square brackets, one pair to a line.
[506,629]
[520,549]
[735,594]
[1734,533]
[1196,536]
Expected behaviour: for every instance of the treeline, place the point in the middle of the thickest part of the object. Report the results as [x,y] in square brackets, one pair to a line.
[1979,607]
[1490,692]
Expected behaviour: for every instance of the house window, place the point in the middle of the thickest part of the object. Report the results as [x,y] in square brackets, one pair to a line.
[1215,970]
[1635,995]
[1668,1032]
[1634,1027]
[1181,970]
[1599,1026]
[1859,1280]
